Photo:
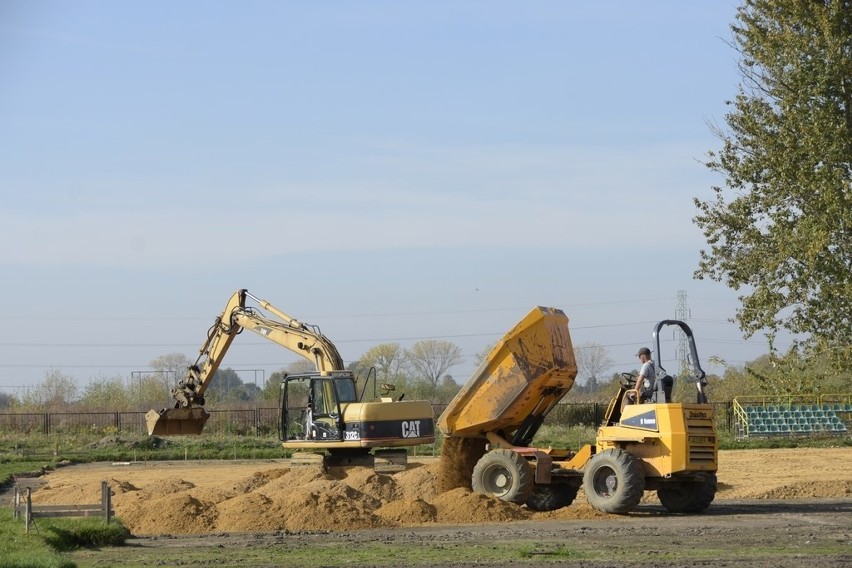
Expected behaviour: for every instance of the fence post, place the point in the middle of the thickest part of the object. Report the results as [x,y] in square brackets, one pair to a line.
[17,503]
[28,512]
[106,501]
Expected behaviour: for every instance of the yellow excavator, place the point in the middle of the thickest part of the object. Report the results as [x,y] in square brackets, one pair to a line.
[319,411]
[660,445]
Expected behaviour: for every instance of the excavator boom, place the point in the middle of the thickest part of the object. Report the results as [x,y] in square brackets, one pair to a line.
[188,415]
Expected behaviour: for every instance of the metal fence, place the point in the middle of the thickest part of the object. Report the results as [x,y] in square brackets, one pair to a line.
[261,421]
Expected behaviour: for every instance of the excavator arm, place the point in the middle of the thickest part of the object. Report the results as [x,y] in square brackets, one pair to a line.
[188,415]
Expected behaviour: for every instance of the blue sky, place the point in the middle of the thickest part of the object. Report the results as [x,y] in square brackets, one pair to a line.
[389,171]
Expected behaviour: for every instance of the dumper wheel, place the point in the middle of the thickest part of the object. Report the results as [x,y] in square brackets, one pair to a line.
[614,482]
[503,474]
[688,496]
[552,497]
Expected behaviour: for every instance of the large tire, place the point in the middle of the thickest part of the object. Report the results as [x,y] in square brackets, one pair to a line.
[688,496]
[503,474]
[614,482]
[552,497]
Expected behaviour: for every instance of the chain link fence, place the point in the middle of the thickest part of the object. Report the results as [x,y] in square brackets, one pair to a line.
[261,421]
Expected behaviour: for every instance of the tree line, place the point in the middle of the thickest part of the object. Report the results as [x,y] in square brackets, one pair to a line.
[422,372]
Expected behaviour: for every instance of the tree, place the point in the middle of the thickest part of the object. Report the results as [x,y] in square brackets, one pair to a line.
[447,389]
[781,230]
[432,358]
[592,361]
[272,389]
[106,394]
[387,358]
[6,400]
[55,392]
[170,368]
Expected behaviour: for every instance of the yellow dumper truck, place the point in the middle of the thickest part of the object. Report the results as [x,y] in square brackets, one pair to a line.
[662,446]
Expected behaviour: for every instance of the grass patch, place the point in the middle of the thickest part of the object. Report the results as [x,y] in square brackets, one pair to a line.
[727,441]
[23,468]
[568,437]
[43,546]
[550,552]
[81,448]
[71,534]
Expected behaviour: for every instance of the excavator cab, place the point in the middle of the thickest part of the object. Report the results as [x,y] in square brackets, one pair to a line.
[312,406]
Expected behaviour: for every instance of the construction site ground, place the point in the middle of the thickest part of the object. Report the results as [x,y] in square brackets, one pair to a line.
[790,507]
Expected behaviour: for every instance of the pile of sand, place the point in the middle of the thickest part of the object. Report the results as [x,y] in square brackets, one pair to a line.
[808,490]
[298,499]
[273,497]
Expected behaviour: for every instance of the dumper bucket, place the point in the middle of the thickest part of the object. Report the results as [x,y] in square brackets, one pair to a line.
[176,421]
[526,373]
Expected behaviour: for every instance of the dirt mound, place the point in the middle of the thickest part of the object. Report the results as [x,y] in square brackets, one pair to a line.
[579,509]
[460,505]
[167,486]
[172,514]
[378,486]
[417,482]
[408,512]
[809,489]
[303,499]
[202,497]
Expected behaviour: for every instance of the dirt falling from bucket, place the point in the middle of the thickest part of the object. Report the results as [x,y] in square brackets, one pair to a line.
[458,457]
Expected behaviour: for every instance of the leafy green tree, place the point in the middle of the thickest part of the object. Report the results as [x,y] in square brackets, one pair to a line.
[780,231]
[382,364]
[272,389]
[227,387]
[387,358]
[107,394]
[447,389]
[150,390]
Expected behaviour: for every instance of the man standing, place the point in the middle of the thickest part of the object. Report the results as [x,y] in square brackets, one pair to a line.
[645,383]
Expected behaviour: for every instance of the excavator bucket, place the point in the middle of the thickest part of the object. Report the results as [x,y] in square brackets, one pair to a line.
[176,421]
[526,373]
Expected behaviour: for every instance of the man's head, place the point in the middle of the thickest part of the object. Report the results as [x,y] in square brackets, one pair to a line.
[644,353]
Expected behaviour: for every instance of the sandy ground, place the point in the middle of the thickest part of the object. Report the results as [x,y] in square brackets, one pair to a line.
[205,497]
[794,504]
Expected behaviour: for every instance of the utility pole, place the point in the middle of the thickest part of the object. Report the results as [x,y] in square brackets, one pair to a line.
[682,314]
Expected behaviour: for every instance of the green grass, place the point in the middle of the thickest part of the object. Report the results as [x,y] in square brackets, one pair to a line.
[44,545]
[328,554]
[22,467]
[506,551]
[82,448]
[727,441]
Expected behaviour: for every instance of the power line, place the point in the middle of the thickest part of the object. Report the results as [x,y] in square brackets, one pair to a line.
[332,316]
[366,340]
